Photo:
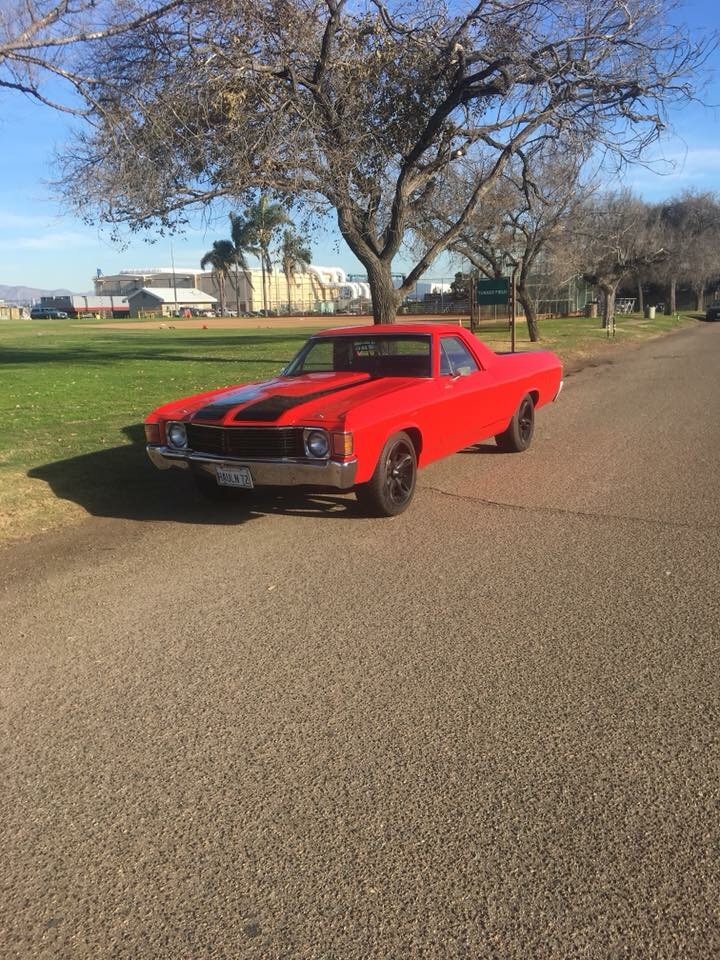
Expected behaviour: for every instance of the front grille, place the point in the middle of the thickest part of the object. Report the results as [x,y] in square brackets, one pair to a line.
[251,442]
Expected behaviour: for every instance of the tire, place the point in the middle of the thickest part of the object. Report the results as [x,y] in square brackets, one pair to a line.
[208,486]
[392,486]
[519,434]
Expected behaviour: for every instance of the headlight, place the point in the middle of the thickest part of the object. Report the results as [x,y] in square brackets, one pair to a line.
[317,444]
[176,434]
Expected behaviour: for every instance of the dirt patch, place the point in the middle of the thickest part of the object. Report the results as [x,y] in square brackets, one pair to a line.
[30,506]
[234,323]
[263,323]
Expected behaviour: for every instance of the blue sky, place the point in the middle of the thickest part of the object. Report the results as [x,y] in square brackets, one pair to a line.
[41,246]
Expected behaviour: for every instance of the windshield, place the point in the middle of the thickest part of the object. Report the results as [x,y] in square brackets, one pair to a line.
[394,355]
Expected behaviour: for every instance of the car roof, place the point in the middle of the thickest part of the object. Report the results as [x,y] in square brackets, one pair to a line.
[390,329]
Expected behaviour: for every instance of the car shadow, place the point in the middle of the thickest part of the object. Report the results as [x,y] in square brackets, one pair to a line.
[120,482]
[486,447]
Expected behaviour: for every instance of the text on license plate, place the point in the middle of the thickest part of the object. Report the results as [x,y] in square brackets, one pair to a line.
[235,477]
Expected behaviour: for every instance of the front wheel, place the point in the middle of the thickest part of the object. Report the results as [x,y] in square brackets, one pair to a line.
[519,434]
[392,485]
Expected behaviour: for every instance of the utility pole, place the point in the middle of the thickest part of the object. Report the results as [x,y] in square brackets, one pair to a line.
[172,263]
[513,294]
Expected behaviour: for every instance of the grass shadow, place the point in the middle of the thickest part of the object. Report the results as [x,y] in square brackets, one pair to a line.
[209,349]
[120,482]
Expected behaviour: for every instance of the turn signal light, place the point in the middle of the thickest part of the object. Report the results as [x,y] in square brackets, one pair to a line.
[342,444]
[152,433]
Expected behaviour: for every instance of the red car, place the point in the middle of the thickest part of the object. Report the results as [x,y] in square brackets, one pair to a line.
[358,408]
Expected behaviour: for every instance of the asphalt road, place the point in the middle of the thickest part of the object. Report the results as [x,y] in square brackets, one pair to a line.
[487,728]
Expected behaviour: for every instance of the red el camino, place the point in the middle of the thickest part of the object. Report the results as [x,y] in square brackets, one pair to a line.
[358,408]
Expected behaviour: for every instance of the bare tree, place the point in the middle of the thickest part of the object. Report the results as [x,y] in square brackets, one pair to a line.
[40,40]
[363,106]
[614,236]
[691,235]
[513,228]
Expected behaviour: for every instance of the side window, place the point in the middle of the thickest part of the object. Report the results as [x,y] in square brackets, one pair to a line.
[455,358]
[445,365]
[319,358]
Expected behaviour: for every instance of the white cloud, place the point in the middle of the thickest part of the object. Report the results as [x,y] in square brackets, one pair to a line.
[9,220]
[56,239]
[50,238]
[673,172]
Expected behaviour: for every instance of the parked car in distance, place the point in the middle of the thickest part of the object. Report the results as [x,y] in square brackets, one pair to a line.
[47,313]
[713,311]
[358,408]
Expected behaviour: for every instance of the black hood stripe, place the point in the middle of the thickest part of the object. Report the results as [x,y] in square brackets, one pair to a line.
[272,408]
[216,409]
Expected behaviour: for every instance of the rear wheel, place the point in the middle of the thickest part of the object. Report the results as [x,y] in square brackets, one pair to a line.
[392,485]
[519,434]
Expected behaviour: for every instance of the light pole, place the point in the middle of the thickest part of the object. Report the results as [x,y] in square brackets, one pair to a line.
[172,263]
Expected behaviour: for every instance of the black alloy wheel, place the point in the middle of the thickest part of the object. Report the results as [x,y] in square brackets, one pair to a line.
[392,485]
[519,434]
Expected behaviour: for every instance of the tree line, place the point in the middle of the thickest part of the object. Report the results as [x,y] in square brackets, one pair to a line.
[407,121]
[556,226]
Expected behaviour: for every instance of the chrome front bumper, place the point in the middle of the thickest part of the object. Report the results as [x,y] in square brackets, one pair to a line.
[271,473]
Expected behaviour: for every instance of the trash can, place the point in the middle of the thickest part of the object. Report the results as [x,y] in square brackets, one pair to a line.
[650,313]
[591,308]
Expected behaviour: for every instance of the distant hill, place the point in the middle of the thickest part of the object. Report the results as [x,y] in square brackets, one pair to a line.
[27,294]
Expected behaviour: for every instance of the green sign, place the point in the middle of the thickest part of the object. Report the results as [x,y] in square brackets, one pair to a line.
[492,291]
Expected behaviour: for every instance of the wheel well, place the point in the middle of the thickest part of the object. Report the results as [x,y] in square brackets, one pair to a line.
[534,396]
[416,438]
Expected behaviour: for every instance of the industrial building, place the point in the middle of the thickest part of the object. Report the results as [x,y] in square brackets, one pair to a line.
[170,301]
[316,289]
[86,305]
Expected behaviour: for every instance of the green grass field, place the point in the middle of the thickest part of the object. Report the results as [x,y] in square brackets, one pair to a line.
[73,398]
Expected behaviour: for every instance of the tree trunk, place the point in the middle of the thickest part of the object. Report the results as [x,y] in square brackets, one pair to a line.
[608,303]
[288,277]
[385,298]
[264,281]
[221,287]
[671,308]
[700,299]
[237,289]
[528,306]
[640,298]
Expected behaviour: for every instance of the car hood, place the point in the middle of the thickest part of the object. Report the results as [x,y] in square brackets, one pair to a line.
[285,400]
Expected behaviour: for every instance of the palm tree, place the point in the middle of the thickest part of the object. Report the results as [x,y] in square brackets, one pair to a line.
[221,258]
[241,232]
[294,254]
[264,219]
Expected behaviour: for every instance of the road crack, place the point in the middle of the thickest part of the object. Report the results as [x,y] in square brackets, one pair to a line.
[582,514]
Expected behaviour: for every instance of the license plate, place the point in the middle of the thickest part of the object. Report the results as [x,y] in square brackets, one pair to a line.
[235,477]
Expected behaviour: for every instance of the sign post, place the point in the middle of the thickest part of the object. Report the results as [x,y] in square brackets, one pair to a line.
[514,311]
[497,292]
[492,291]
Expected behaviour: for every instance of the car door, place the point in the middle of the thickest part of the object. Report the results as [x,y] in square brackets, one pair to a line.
[466,390]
